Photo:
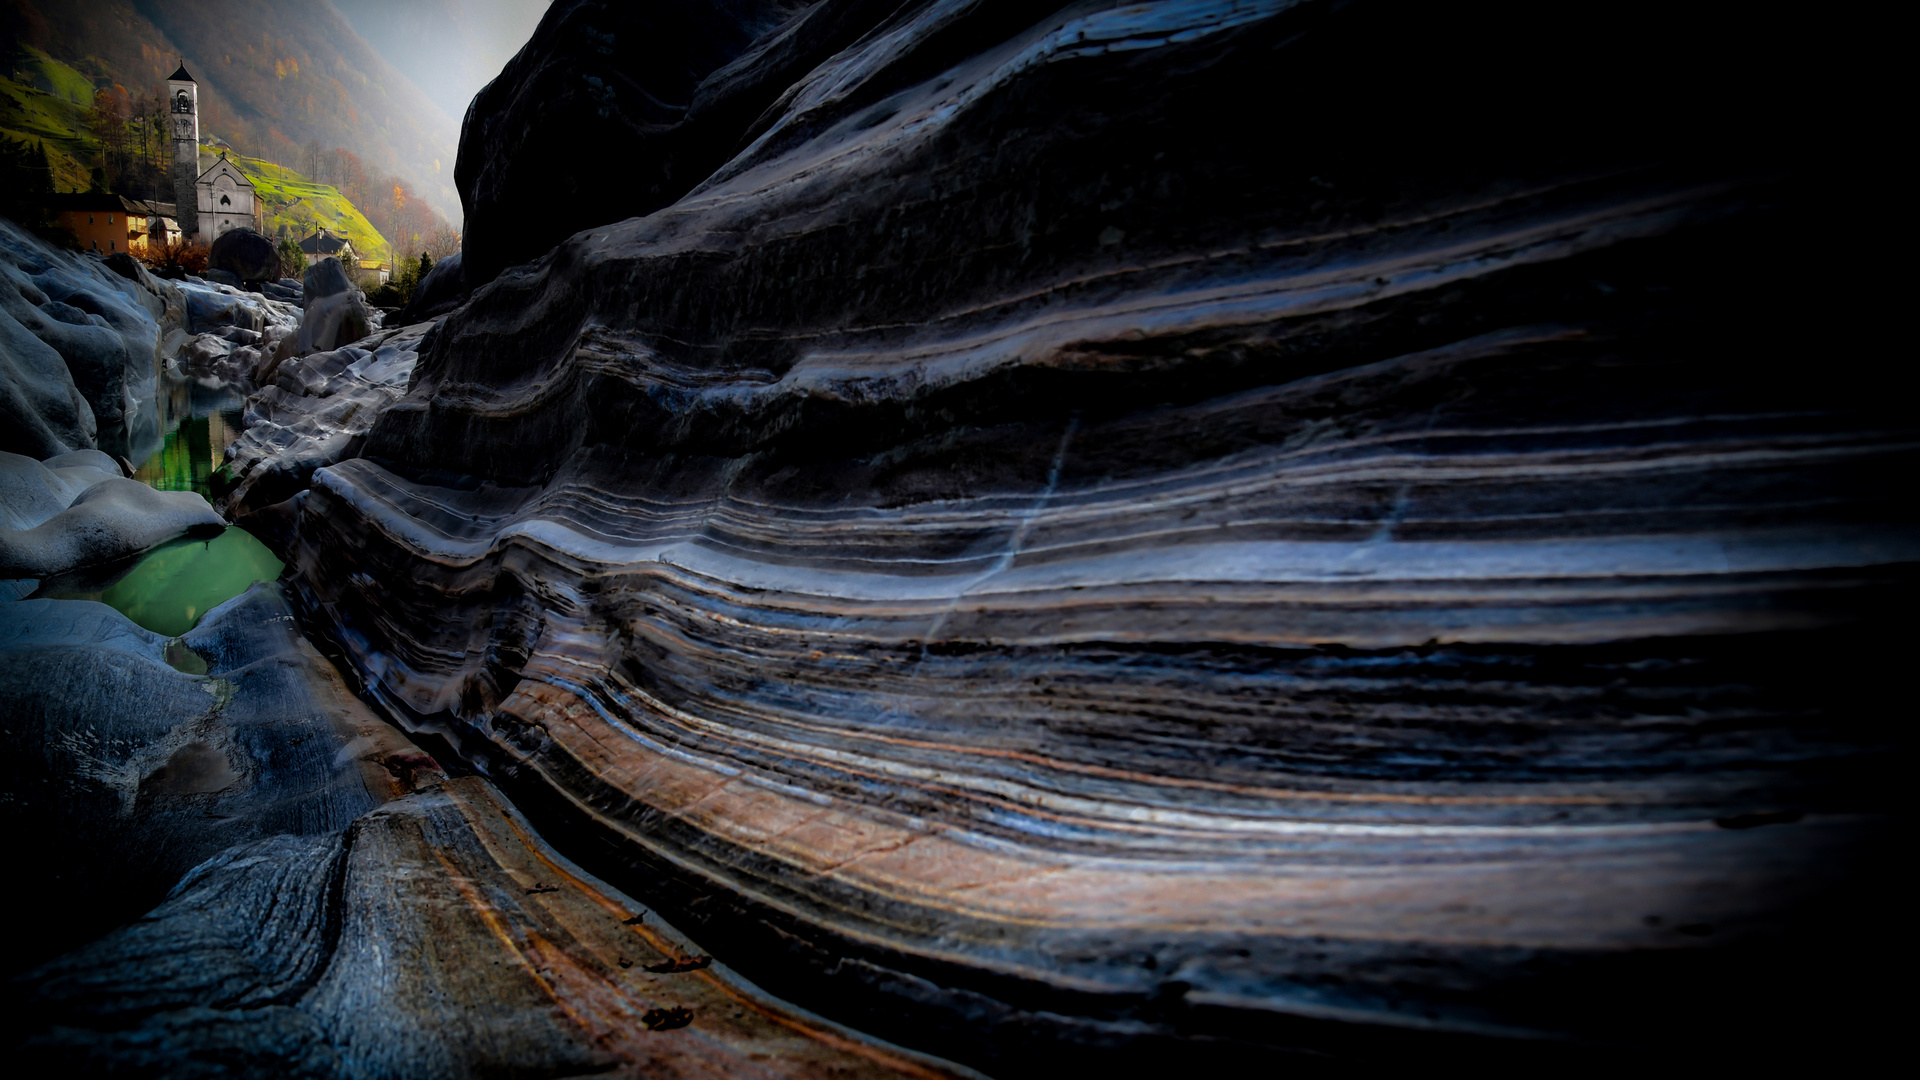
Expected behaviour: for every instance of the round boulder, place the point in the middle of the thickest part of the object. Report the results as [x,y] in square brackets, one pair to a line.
[245,254]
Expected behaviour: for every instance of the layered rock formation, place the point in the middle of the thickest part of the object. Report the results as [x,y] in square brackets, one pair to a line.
[297,956]
[616,78]
[1174,535]
[317,412]
[334,905]
[79,346]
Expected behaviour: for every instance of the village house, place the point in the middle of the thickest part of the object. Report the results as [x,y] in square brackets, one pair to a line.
[324,243]
[114,223]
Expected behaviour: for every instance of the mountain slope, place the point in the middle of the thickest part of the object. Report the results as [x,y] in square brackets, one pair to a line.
[274,75]
[477,39]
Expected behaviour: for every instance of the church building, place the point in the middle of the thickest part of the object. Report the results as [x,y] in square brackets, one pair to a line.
[183,119]
[225,198]
[219,199]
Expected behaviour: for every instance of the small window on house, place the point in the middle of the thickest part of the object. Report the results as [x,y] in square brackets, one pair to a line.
[113,245]
[89,219]
[109,219]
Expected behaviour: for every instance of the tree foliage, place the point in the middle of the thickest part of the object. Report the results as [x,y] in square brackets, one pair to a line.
[293,261]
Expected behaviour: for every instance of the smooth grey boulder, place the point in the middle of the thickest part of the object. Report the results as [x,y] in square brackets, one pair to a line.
[247,255]
[33,491]
[209,307]
[105,319]
[109,517]
[336,312]
[328,277]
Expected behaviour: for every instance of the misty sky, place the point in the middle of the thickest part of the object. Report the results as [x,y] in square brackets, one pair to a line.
[449,48]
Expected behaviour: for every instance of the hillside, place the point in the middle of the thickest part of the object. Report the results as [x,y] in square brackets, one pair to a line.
[303,207]
[45,102]
[476,39]
[275,76]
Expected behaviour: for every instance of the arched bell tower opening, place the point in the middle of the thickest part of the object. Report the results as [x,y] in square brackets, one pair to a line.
[183,117]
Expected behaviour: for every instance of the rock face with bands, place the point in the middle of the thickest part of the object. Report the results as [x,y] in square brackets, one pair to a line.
[1183,532]
[616,77]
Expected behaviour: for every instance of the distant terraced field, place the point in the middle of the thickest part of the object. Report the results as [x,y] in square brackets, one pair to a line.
[305,207]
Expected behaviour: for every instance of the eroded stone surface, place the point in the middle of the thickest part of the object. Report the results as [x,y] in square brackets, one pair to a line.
[1020,557]
[122,771]
[317,412]
[435,937]
[1030,562]
[71,512]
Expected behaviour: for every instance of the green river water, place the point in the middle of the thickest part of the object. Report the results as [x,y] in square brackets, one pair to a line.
[169,588]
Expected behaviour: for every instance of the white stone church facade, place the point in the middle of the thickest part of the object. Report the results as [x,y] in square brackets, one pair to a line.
[226,199]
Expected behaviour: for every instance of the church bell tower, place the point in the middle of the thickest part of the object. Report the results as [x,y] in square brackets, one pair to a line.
[183,114]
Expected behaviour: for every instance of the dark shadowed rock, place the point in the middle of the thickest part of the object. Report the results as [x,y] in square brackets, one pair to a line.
[1177,537]
[123,771]
[245,254]
[616,77]
[437,937]
[325,278]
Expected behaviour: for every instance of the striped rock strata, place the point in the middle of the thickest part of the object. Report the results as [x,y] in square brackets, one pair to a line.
[435,937]
[1186,531]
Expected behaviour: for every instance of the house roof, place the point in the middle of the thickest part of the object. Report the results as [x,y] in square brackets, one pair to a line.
[100,201]
[180,75]
[324,245]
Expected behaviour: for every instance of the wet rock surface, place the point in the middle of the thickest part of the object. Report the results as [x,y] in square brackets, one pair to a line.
[123,771]
[1027,562]
[437,936]
[1017,558]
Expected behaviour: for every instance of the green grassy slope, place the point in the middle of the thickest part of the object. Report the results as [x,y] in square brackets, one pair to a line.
[46,102]
[304,207]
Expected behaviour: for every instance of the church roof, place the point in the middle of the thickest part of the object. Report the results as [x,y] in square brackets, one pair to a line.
[180,75]
[231,167]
